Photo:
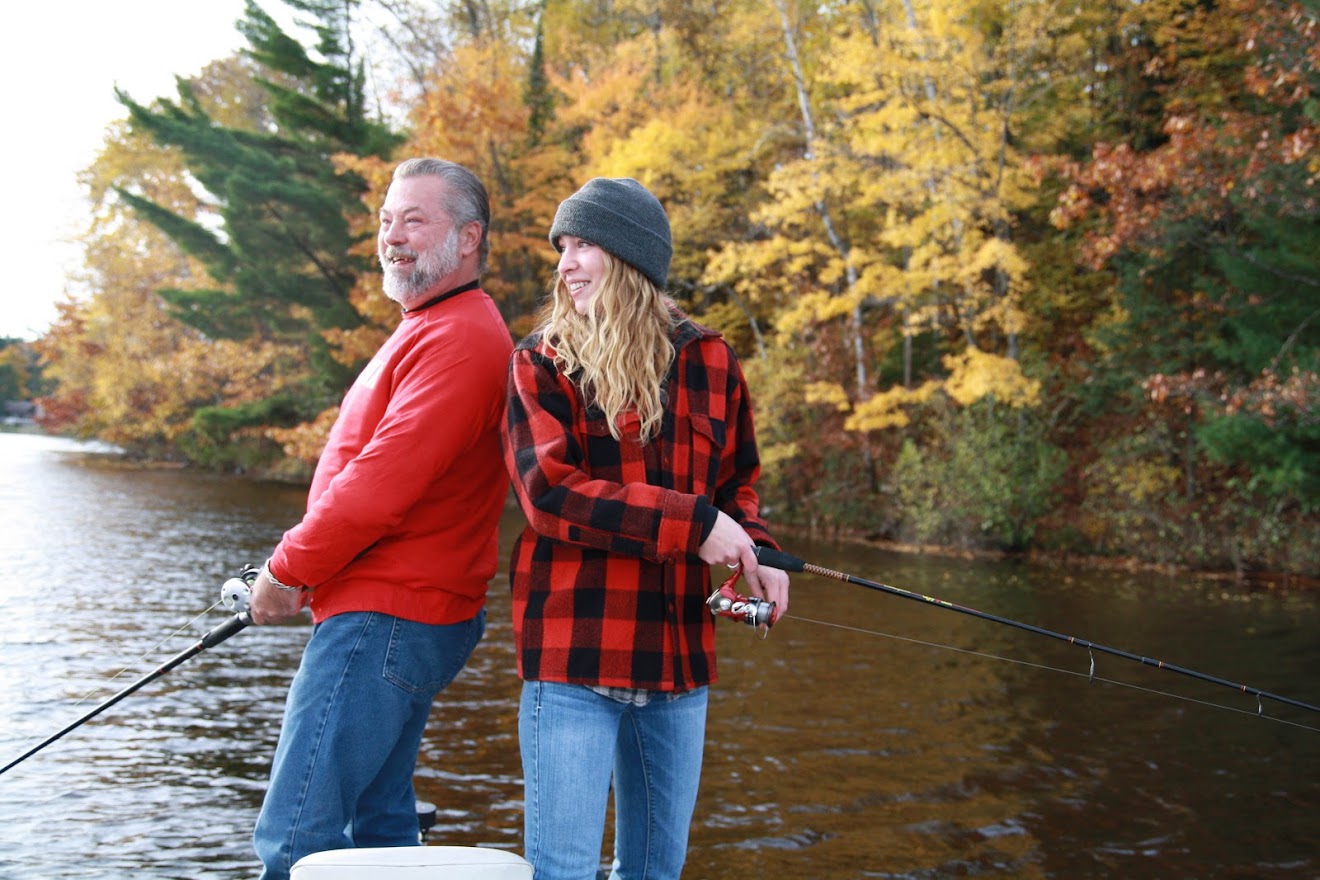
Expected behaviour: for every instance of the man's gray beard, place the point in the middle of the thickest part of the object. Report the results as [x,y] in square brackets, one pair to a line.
[431,266]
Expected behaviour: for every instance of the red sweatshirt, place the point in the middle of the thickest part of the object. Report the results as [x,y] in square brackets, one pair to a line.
[404,506]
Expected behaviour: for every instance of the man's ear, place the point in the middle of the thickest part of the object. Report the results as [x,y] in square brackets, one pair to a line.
[469,237]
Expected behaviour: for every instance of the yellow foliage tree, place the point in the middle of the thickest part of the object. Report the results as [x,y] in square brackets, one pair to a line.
[896,218]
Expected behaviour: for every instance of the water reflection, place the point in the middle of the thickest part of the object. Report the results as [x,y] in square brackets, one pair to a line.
[853,742]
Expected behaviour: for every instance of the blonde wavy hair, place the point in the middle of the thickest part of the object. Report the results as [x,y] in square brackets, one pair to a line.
[622,346]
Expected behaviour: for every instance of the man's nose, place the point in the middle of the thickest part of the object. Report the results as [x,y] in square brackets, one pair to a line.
[391,232]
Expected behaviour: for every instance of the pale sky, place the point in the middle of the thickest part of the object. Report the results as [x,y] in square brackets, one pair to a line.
[60,61]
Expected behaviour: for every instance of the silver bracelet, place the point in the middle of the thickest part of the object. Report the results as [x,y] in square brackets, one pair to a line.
[275,582]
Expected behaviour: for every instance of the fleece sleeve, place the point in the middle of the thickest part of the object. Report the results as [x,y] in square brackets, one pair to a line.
[561,498]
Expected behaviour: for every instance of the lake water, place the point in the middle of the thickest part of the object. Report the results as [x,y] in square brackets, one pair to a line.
[868,736]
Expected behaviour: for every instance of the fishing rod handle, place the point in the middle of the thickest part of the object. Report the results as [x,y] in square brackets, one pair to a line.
[778,559]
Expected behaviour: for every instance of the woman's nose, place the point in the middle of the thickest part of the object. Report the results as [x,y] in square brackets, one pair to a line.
[567,258]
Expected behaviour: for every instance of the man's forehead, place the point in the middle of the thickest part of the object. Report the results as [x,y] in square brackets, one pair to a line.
[414,194]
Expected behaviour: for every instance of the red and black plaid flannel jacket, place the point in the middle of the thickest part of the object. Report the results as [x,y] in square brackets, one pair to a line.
[607,585]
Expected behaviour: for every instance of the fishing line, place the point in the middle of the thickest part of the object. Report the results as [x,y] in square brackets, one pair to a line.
[233,595]
[145,656]
[725,601]
[1091,676]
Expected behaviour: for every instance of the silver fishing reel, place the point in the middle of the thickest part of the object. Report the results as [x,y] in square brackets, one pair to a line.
[236,593]
[726,601]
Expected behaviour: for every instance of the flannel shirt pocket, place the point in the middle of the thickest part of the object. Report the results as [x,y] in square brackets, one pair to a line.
[707,445]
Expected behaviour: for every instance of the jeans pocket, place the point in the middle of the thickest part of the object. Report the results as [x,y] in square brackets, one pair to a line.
[425,657]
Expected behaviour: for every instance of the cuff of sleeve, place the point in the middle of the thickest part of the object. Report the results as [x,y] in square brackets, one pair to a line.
[706,513]
[273,563]
[678,526]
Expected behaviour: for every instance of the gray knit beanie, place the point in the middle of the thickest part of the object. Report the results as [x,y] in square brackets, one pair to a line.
[622,216]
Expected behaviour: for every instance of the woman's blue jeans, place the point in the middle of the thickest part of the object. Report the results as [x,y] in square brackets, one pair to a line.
[343,770]
[573,740]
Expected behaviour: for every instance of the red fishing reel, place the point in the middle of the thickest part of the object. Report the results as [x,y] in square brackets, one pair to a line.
[728,602]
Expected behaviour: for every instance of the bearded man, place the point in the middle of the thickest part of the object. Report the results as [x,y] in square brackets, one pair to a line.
[399,543]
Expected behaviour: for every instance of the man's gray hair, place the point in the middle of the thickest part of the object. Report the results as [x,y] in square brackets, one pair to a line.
[465,199]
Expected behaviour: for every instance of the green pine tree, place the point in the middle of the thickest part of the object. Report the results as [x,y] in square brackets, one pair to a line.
[1270,336]
[280,252]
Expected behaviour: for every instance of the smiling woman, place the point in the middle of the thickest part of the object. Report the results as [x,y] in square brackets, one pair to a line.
[65,112]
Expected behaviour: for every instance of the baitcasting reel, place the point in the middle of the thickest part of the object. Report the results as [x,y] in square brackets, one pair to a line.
[236,592]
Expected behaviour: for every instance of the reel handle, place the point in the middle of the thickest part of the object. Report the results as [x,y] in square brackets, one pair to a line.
[726,601]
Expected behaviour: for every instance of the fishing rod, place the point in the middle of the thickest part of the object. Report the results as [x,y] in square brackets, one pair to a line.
[749,609]
[233,594]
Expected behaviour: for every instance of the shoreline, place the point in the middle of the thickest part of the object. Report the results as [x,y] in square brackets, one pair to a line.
[1251,581]
[1248,580]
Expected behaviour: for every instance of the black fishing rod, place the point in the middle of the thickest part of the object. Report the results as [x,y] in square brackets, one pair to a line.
[787,562]
[234,594]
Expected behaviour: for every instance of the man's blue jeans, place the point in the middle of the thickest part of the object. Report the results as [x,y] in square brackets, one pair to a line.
[353,723]
[572,740]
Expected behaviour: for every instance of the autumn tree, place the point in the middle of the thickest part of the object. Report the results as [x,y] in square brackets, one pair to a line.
[888,238]
[1213,343]
[21,375]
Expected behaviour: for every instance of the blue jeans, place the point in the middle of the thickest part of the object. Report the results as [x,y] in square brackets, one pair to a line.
[353,723]
[572,740]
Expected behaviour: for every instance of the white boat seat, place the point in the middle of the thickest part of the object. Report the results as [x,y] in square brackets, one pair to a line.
[413,863]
